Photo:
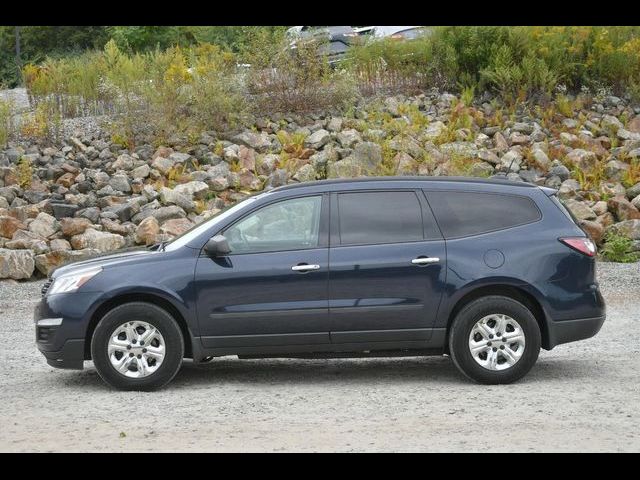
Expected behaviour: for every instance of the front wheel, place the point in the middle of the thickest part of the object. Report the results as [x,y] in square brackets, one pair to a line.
[494,340]
[137,346]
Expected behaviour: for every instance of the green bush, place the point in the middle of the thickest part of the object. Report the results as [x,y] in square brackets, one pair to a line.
[618,248]
[6,123]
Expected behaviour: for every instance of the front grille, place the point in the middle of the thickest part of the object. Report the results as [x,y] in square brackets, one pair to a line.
[45,287]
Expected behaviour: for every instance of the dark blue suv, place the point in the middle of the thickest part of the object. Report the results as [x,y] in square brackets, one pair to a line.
[485,271]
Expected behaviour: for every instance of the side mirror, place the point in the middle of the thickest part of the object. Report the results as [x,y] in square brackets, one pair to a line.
[217,246]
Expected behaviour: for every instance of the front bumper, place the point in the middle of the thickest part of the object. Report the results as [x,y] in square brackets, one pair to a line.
[566,331]
[61,322]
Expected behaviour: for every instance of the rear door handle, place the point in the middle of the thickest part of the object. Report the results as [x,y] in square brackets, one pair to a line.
[305,268]
[425,260]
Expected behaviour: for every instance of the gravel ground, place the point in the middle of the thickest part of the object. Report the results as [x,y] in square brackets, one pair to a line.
[583,396]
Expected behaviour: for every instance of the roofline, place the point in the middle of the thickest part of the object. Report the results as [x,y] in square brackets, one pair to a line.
[426,179]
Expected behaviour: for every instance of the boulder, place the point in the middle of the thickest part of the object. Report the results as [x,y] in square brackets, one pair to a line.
[594,229]
[258,141]
[9,225]
[317,139]
[627,228]
[44,225]
[163,165]
[582,159]
[94,239]
[24,239]
[176,226]
[511,161]
[47,262]
[615,169]
[581,210]
[623,209]
[168,196]
[147,231]
[16,264]
[195,189]
[74,226]
[349,138]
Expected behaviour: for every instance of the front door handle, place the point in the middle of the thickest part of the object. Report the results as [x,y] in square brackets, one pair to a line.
[425,260]
[305,268]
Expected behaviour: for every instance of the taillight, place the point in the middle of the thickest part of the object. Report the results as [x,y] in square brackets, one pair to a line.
[581,244]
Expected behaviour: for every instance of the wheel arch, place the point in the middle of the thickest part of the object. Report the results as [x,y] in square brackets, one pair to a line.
[146,297]
[516,292]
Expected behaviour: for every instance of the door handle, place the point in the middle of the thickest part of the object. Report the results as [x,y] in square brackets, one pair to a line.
[305,268]
[425,260]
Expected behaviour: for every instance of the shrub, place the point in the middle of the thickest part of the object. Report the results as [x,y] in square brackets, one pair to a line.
[282,79]
[24,172]
[618,248]
[6,122]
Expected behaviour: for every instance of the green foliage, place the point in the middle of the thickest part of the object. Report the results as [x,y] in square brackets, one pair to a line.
[24,172]
[6,123]
[618,248]
[282,79]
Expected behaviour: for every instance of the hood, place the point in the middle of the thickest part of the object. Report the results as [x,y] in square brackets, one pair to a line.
[106,260]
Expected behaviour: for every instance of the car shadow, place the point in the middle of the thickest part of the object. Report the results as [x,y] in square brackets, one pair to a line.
[427,370]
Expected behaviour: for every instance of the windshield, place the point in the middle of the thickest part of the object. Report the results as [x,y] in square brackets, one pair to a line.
[197,230]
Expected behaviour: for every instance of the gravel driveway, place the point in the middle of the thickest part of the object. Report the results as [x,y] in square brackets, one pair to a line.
[581,396]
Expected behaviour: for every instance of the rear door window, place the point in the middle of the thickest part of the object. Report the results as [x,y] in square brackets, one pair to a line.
[461,214]
[379,217]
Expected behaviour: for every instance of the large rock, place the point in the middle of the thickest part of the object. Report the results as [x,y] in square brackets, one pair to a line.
[163,165]
[511,161]
[317,139]
[196,189]
[594,229]
[74,226]
[258,141]
[9,225]
[349,138]
[582,159]
[147,231]
[628,228]
[101,241]
[48,262]
[368,155]
[615,169]
[581,210]
[24,239]
[44,225]
[176,226]
[120,183]
[16,264]
[622,208]
[62,210]
[168,195]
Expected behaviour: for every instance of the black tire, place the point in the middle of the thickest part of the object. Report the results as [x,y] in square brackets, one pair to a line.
[155,316]
[464,323]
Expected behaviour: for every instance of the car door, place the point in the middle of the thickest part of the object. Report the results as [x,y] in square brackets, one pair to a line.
[271,289]
[387,263]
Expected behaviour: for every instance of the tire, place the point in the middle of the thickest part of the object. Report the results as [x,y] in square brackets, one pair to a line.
[494,313]
[165,345]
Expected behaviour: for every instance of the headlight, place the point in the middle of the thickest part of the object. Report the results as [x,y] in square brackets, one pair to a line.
[73,281]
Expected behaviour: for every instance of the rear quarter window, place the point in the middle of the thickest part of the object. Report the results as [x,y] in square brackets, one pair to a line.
[461,214]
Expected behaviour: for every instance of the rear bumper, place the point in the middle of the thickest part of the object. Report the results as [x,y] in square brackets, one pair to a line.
[566,331]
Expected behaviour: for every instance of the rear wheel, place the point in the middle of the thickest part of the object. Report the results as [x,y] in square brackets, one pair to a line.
[494,339]
[137,346]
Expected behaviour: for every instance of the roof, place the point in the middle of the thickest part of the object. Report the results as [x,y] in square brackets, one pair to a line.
[426,179]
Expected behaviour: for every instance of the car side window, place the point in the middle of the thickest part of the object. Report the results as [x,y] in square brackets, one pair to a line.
[287,225]
[379,217]
[461,214]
